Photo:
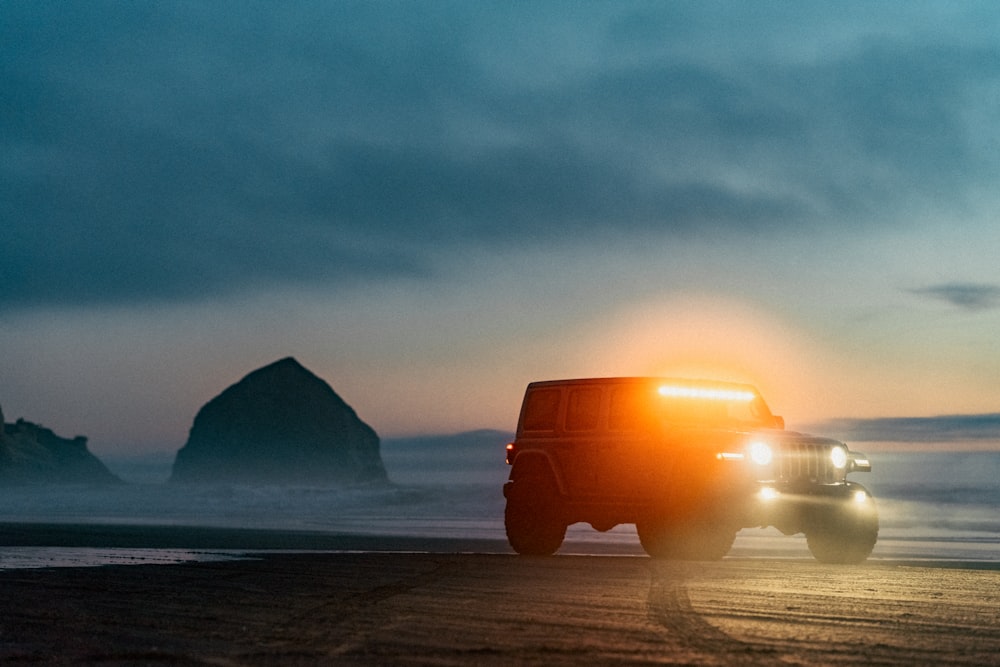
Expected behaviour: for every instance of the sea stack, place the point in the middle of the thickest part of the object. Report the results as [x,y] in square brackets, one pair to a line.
[280,424]
[33,454]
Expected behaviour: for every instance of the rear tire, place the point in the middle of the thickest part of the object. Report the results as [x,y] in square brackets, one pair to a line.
[533,517]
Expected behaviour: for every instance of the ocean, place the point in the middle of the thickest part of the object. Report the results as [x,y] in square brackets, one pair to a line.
[937,502]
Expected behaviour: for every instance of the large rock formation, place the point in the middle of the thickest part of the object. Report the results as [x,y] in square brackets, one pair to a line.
[279,424]
[33,454]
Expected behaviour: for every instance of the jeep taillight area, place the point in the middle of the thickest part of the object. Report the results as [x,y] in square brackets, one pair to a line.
[689,462]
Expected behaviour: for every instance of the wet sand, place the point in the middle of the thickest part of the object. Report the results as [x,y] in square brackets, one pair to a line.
[400,605]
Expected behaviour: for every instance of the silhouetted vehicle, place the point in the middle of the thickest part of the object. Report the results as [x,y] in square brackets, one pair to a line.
[689,462]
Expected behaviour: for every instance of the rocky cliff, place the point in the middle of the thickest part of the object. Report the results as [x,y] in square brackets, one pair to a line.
[279,424]
[33,454]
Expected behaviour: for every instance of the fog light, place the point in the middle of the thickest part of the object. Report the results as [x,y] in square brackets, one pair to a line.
[767,493]
[860,497]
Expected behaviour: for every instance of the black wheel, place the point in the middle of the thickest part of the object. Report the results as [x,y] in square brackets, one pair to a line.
[847,532]
[694,541]
[533,517]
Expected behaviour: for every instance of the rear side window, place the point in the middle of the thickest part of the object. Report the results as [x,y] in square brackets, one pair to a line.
[541,410]
[583,411]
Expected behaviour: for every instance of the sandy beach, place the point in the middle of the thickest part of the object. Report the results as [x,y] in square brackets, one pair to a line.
[366,600]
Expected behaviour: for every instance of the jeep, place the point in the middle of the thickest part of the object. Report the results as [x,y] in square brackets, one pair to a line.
[689,462]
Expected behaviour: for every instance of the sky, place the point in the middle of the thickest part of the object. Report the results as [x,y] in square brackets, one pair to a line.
[431,204]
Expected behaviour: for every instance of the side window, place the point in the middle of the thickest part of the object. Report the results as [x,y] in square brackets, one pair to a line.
[582,413]
[629,409]
[541,410]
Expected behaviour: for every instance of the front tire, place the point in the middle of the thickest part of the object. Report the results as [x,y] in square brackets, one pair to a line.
[533,517]
[847,532]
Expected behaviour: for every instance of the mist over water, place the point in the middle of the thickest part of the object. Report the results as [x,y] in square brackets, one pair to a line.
[931,503]
[940,493]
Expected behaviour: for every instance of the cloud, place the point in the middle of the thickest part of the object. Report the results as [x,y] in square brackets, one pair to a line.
[169,152]
[967,296]
[945,428]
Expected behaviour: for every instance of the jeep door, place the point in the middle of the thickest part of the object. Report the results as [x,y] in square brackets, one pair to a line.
[631,459]
[581,456]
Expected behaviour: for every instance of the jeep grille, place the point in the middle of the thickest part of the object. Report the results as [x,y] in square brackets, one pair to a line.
[805,462]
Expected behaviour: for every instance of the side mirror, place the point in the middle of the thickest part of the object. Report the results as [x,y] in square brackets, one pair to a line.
[778,422]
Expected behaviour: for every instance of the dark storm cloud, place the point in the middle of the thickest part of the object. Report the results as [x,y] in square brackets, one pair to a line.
[172,151]
[968,296]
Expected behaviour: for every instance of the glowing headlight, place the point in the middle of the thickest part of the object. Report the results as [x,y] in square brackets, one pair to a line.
[760,453]
[838,455]
[860,497]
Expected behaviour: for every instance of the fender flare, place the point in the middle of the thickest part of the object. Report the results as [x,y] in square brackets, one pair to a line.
[536,462]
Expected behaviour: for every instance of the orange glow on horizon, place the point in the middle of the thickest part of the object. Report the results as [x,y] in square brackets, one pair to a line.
[712,338]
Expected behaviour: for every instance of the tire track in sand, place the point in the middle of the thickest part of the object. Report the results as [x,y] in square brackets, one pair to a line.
[670,608]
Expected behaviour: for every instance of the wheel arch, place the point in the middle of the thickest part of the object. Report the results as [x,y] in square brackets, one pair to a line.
[539,464]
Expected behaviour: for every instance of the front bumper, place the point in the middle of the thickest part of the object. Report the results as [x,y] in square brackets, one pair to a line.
[794,509]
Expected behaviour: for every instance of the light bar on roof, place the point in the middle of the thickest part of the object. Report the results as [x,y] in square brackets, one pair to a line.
[680,391]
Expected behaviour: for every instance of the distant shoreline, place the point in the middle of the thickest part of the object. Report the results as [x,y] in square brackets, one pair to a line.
[890,551]
[169,536]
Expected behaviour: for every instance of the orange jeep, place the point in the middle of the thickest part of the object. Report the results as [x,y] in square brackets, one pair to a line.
[689,462]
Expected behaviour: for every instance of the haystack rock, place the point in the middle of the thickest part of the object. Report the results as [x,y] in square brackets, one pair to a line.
[279,424]
[33,454]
